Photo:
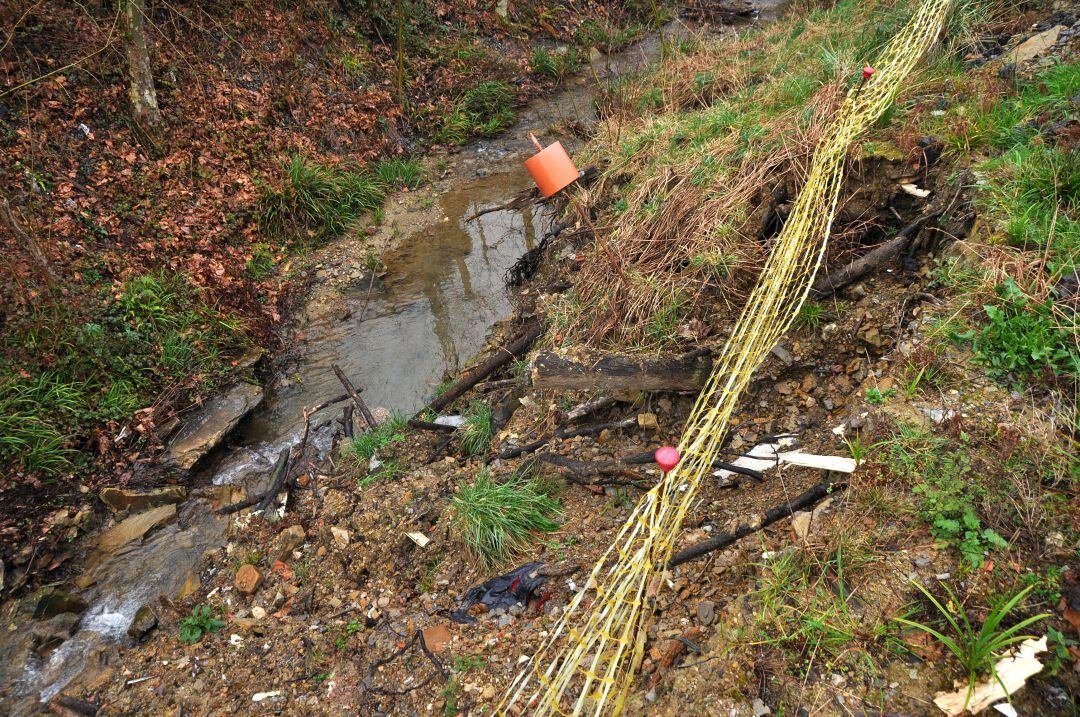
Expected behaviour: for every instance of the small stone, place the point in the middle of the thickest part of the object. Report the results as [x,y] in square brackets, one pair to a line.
[383,602]
[647,421]
[922,561]
[706,612]
[650,696]
[286,542]
[321,552]
[760,708]
[145,621]
[800,523]
[505,620]
[341,536]
[248,579]
[258,612]
[438,637]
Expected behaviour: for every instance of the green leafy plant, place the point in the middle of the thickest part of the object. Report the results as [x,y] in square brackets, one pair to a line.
[484,110]
[876,397]
[976,649]
[1024,336]
[477,429]
[498,520]
[201,622]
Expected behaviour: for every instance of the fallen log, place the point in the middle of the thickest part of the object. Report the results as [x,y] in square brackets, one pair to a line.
[830,283]
[615,372]
[500,358]
[801,502]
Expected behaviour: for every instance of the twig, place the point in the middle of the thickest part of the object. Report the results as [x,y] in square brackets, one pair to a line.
[354,395]
[563,433]
[279,470]
[807,499]
[417,639]
[429,426]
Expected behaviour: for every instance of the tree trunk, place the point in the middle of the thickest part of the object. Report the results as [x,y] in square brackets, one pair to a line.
[144,104]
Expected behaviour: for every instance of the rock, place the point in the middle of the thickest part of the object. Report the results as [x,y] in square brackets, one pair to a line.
[1035,45]
[438,637]
[145,621]
[248,579]
[502,8]
[204,431]
[47,635]
[135,527]
[258,612]
[286,542]
[383,602]
[760,708]
[706,612]
[121,499]
[505,620]
[58,602]
[190,587]
[800,523]
[922,562]
[647,421]
[341,536]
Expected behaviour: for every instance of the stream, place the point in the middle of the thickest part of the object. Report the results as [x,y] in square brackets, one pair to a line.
[428,313]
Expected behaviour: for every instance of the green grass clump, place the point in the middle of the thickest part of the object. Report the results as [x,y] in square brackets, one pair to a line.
[477,431]
[201,622]
[605,35]
[395,173]
[811,315]
[318,201]
[499,520]
[485,110]
[556,64]
[977,650]
[368,443]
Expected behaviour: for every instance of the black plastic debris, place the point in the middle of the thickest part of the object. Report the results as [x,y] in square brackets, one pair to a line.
[505,591]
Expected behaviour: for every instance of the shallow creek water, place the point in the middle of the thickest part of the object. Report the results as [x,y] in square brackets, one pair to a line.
[427,314]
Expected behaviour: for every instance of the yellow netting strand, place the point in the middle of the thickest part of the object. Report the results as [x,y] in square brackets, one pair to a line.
[588,664]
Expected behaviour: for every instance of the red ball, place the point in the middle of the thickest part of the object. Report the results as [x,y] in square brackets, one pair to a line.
[867,71]
[667,458]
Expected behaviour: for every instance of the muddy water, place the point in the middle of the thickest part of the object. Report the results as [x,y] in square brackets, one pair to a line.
[396,337]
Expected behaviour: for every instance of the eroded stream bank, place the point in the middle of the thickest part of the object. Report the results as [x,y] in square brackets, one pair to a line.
[426,312]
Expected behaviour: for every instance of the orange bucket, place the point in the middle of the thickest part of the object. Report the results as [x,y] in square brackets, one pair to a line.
[551,167]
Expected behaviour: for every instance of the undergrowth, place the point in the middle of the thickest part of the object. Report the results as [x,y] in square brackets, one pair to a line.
[485,110]
[69,373]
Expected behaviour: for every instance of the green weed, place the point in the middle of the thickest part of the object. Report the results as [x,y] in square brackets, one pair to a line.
[498,520]
[200,622]
[875,396]
[1025,337]
[976,649]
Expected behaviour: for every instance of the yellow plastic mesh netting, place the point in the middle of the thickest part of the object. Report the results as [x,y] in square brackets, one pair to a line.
[589,663]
